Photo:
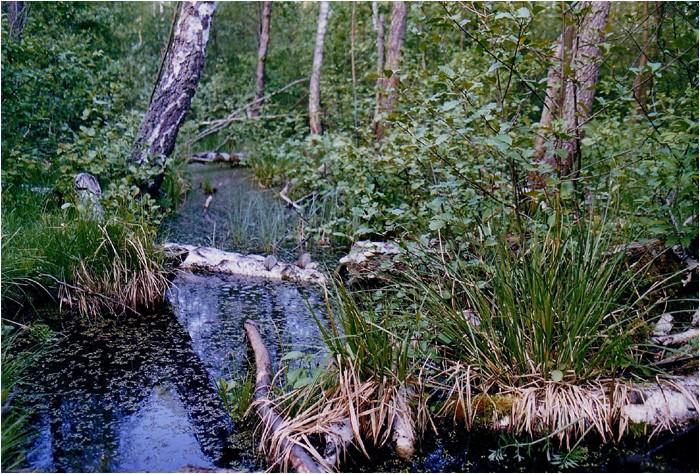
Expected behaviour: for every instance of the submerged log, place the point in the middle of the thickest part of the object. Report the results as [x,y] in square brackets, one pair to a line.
[216,157]
[192,257]
[299,458]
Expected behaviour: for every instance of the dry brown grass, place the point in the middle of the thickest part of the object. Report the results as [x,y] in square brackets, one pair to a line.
[326,421]
[562,410]
[132,280]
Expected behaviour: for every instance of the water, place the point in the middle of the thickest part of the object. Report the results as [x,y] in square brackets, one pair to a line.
[139,393]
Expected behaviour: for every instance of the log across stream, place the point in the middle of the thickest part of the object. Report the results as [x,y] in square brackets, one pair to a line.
[139,394]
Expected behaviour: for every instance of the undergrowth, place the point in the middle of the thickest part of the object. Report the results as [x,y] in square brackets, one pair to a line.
[93,267]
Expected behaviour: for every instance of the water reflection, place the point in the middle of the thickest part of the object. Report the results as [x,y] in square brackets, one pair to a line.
[125,396]
[213,308]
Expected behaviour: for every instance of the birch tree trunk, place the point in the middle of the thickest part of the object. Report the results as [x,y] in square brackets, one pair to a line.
[580,89]
[176,84]
[17,18]
[262,56]
[386,97]
[315,83]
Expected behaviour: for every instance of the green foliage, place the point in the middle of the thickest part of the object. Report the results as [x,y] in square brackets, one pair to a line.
[237,395]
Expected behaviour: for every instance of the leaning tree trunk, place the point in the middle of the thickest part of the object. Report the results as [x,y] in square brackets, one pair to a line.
[17,18]
[387,86]
[176,84]
[580,88]
[262,56]
[315,83]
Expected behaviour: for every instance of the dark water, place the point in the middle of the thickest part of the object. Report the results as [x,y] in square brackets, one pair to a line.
[139,393]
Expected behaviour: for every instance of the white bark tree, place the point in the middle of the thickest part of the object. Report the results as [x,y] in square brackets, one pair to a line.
[315,83]
[176,84]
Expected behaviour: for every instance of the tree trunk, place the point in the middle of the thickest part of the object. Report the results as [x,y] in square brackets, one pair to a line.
[176,84]
[643,79]
[262,56]
[554,94]
[353,28]
[17,18]
[315,83]
[580,88]
[378,20]
[386,97]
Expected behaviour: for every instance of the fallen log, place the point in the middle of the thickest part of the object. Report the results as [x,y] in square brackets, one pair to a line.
[192,257]
[573,410]
[216,157]
[403,432]
[369,260]
[677,338]
[663,405]
[299,458]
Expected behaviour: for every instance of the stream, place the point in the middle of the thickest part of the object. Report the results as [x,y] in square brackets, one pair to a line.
[140,393]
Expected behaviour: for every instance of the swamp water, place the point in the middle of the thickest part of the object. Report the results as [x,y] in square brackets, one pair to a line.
[139,393]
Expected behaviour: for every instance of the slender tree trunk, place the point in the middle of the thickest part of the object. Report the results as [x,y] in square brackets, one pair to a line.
[643,79]
[554,94]
[387,96]
[176,84]
[315,83]
[580,89]
[353,30]
[378,20]
[17,18]
[262,56]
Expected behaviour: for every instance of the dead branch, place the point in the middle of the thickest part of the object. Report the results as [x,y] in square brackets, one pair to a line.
[220,124]
[216,157]
[677,338]
[299,458]
[285,197]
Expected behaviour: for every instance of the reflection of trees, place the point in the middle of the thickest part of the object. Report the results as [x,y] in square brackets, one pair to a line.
[96,377]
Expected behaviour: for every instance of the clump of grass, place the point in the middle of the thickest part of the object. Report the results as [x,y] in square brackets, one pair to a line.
[124,273]
[371,386]
[560,307]
[551,325]
[91,267]
[258,225]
